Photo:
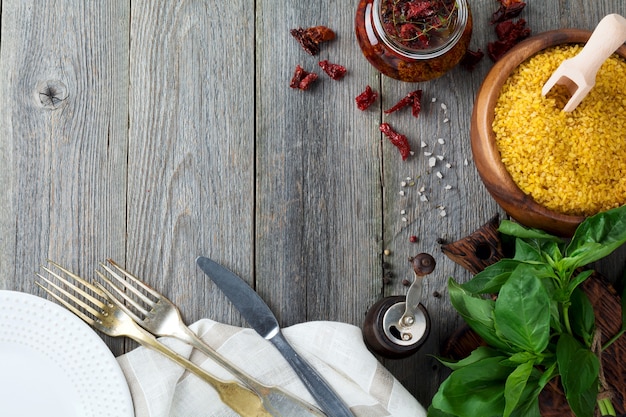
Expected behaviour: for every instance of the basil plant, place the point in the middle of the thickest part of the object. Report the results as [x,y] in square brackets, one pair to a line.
[541,325]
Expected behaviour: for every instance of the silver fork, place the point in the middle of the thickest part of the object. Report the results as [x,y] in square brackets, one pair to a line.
[158,315]
[98,308]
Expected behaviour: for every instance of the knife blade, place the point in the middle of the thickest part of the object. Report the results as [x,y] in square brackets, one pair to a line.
[260,317]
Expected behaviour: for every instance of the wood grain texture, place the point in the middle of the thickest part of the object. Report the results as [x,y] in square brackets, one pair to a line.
[63,137]
[157,131]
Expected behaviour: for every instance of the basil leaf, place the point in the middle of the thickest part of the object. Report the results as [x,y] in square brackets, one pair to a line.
[522,311]
[578,366]
[582,317]
[526,252]
[490,279]
[514,386]
[579,279]
[475,390]
[435,412]
[480,353]
[510,228]
[596,237]
[478,313]
[579,369]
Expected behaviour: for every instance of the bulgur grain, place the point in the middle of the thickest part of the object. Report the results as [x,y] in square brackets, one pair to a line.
[572,163]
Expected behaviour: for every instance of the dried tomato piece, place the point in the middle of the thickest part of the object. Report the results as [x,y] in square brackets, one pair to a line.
[512,32]
[366,98]
[420,9]
[311,38]
[413,99]
[397,139]
[471,59]
[320,33]
[302,79]
[506,12]
[334,71]
[509,35]
[509,3]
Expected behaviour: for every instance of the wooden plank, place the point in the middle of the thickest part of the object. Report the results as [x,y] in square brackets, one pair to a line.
[191,148]
[318,205]
[63,76]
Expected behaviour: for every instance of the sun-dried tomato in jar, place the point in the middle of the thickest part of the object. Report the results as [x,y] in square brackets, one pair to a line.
[413,40]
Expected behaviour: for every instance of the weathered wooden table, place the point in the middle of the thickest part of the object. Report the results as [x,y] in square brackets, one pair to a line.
[157,131]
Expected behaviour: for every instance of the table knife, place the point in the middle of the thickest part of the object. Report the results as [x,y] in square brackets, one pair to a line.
[261,318]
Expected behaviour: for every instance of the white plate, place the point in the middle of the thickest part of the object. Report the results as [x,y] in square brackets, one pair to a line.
[54,364]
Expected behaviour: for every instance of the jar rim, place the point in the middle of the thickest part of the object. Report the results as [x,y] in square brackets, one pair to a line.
[421,54]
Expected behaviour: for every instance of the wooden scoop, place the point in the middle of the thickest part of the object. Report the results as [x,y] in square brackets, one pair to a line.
[578,74]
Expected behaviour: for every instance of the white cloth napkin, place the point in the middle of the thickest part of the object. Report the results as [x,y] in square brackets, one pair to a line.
[161,388]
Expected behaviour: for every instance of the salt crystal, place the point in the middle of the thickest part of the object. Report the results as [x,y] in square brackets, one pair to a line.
[428,153]
[444,107]
[441,141]
[433,99]
[448,165]
[442,213]
[402,212]
[432,162]
[448,187]
[404,219]
[439,175]
[446,120]
[424,144]
[401,193]
[423,198]
[465,162]
[440,157]
[403,184]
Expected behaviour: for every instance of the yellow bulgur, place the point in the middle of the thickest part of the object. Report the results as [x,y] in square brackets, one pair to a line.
[572,163]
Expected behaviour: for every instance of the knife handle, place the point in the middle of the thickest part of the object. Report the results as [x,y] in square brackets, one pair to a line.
[323,394]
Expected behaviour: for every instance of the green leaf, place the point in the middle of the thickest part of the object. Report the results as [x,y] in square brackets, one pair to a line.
[510,228]
[514,386]
[490,279]
[478,313]
[522,311]
[596,237]
[480,353]
[475,390]
[579,279]
[582,317]
[526,252]
[578,365]
[435,412]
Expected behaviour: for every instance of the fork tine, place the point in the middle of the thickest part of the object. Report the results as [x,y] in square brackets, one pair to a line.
[69,296]
[135,280]
[73,287]
[67,305]
[121,294]
[126,285]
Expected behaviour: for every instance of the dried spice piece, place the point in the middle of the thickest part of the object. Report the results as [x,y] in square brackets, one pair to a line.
[419,24]
[366,98]
[414,99]
[508,10]
[302,79]
[334,71]
[311,38]
[471,59]
[509,34]
[397,139]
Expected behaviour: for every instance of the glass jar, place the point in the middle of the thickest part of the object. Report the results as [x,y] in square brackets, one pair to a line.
[413,40]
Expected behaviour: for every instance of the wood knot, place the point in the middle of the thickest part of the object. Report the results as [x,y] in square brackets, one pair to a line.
[51,94]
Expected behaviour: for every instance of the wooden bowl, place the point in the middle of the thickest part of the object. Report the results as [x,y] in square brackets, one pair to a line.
[492,171]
